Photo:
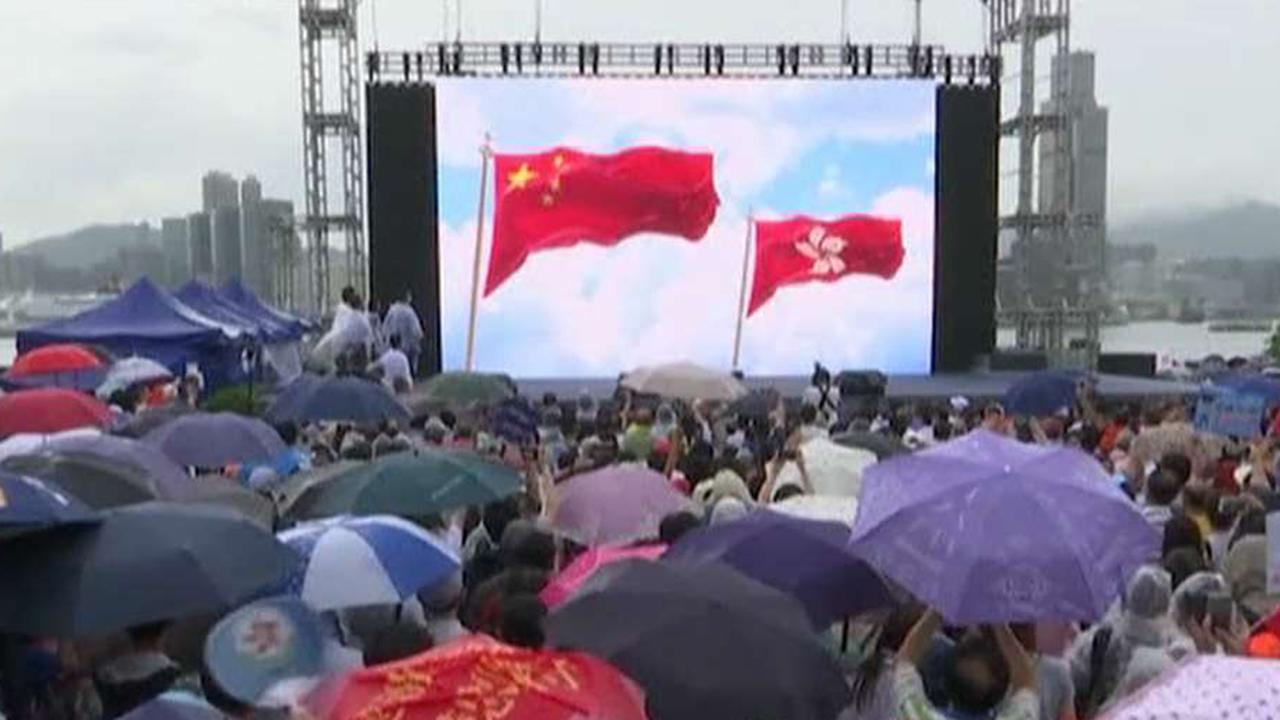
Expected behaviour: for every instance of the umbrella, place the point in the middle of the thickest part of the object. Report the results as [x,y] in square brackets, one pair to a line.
[807,559]
[344,398]
[264,645]
[457,389]
[49,411]
[150,419]
[28,443]
[174,705]
[97,482]
[834,508]
[141,564]
[220,492]
[422,482]
[832,469]
[756,403]
[284,491]
[706,642]
[987,529]
[28,501]
[884,446]
[685,381]
[169,479]
[214,440]
[1043,393]
[615,505]
[67,366]
[1207,686]
[375,560]
[132,371]
[481,677]
[571,579]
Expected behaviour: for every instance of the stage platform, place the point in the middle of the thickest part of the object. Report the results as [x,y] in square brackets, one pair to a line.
[976,385]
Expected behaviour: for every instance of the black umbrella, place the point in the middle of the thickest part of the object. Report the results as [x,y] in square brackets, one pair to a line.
[148,420]
[704,642]
[97,482]
[141,564]
[883,446]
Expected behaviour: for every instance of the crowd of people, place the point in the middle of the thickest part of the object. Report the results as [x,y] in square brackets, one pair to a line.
[1204,593]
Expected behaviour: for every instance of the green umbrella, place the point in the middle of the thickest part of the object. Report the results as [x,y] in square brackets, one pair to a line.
[411,484]
[461,389]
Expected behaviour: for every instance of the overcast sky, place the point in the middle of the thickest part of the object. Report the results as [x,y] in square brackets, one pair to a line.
[110,110]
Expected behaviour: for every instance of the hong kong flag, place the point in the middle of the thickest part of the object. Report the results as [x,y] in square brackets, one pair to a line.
[563,197]
[801,249]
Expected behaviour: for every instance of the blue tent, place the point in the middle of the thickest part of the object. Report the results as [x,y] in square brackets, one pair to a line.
[242,298]
[149,322]
[207,301]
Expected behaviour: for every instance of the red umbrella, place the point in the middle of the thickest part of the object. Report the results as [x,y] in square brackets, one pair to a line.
[55,359]
[480,677]
[49,411]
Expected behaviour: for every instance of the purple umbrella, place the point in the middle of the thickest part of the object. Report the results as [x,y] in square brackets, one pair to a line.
[987,529]
[614,505]
[169,479]
[206,440]
[807,559]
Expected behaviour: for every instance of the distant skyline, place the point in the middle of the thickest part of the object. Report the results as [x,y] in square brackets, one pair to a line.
[110,110]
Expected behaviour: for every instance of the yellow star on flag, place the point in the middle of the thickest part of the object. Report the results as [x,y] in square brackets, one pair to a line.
[521,178]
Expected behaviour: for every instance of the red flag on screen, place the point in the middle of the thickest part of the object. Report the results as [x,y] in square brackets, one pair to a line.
[563,197]
[801,249]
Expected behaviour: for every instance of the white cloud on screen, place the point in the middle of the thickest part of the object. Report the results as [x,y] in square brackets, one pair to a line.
[590,310]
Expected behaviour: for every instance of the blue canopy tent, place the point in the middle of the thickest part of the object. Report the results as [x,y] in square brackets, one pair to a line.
[242,298]
[208,302]
[149,322]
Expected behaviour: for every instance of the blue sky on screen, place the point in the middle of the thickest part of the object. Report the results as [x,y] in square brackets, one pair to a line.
[824,148]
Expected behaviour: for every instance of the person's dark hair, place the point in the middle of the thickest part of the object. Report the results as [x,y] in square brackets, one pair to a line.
[787,491]
[523,615]
[977,650]
[1090,437]
[448,418]
[676,525]
[1183,562]
[288,432]
[397,642]
[524,544]
[394,341]
[1252,522]
[942,430]
[808,415]
[1181,532]
[148,634]
[888,637]
[497,515]
[349,295]
[1179,465]
[221,699]
[1162,487]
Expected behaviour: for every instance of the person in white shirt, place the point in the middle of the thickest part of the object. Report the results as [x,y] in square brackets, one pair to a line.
[395,367]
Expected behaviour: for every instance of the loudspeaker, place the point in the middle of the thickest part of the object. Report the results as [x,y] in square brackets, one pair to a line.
[403,229]
[1132,364]
[966,167]
[1020,360]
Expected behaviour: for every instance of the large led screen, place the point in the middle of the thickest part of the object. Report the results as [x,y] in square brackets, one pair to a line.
[617,216]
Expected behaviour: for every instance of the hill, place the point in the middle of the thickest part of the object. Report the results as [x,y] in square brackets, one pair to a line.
[90,245]
[1249,230]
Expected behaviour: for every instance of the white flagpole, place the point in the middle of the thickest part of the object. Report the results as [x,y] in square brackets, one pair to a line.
[742,291]
[486,154]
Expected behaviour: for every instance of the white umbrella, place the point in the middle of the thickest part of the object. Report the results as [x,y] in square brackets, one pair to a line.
[833,469]
[131,371]
[830,508]
[685,381]
[1208,686]
[30,443]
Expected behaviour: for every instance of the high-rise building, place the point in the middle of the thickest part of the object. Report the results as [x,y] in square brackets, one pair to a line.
[228,263]
[177,251]
[200,244]
[253,239]
[219,190]
[283,255]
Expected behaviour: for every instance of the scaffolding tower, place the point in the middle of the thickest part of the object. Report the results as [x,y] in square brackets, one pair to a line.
[1056,277]
[324,23]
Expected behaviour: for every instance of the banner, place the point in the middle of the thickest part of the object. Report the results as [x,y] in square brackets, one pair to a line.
[1228,413]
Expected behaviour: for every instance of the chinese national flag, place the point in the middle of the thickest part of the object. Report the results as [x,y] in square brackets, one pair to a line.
[563,197]
[801,249]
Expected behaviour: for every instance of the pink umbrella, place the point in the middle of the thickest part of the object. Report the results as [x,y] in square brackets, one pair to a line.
[614,505]
[564,585]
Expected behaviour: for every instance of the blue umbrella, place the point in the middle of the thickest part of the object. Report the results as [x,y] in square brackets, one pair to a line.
[1043,393]
[262,644]
[174,705]
[214,440]
[343,398]
[140,564]
[807,559]
[372,560]
[27,501]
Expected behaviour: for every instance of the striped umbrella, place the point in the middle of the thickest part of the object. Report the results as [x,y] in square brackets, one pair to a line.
[359,561]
